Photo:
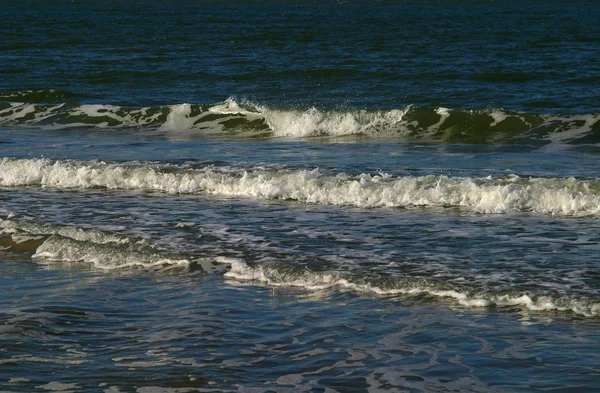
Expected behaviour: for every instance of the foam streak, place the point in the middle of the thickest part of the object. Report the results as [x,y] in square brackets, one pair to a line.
[555,196]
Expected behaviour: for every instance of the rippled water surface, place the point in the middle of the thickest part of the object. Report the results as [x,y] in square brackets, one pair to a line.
[146,331]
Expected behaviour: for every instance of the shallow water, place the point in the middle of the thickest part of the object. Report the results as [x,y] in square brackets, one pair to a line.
[149,331]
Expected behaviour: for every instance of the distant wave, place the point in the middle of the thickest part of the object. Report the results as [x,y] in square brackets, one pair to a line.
[502,194]
[48,109]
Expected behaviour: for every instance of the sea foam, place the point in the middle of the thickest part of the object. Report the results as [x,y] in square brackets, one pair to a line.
[555,196]
[102,256]
[283,276]
[243,118]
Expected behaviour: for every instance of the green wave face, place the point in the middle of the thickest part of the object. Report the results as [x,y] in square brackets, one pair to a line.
[53,110]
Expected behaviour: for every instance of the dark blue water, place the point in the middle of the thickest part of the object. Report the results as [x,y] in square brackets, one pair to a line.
[534,56]
[272,196]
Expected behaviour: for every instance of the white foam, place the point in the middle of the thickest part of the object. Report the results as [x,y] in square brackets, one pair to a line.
[312,122]
[179,118]
[288,123]
[38,359]
[43,113]
[59,386]
[311,280]
[17,111]
[444,114]
[98,110]
[556,196]
[59,248]
[90,235]
[232,107]
[498,117]
[295,124]
[80,116]
[18,380]
[568,130]
[23,111]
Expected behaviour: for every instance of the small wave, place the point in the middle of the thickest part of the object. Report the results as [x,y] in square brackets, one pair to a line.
[495,195]
[24,228]
[102,256]
[287,276]
[103,250]
[56,110]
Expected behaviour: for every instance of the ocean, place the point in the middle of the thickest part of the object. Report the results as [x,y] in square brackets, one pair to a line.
[299,196]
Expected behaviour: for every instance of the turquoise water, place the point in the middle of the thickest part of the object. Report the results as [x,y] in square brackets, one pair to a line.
[269,196]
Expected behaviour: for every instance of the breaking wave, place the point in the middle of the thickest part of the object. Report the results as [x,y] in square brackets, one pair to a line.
[48,109]
[101,249]
[499,194]
[49,244]
[286,276]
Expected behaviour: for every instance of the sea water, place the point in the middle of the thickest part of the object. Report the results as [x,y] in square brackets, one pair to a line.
[299,196]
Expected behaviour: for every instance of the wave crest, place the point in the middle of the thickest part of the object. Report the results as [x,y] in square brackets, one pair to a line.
[502,194]
[285,276]
[47,110]
[101,249]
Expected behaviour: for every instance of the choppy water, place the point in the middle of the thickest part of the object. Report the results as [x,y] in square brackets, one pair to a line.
[269,196]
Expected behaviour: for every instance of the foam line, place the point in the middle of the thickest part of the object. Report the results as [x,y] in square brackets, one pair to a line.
[555,196]
[284,277]
[247,119]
